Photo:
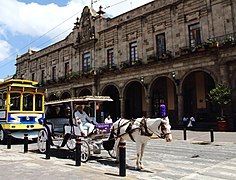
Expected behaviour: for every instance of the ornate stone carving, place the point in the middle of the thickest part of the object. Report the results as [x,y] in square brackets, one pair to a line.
[159,27]
[192,16]
[87,30]
[132,36]
[109,43]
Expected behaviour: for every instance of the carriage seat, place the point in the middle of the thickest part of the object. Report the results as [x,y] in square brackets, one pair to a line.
[74,130]
[58,124]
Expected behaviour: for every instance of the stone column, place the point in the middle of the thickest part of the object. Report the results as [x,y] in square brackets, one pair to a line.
[180,107]
[149,106]
[73,90]
[122,107]
[224,74]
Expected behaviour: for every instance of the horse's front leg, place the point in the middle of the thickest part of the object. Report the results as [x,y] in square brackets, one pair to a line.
[141,155]
[138,148]
[116,149]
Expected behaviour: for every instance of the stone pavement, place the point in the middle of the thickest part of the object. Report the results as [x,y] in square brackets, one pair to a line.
[226,137]
[195,158]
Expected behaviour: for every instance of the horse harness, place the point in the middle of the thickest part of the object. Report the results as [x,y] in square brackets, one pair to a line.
[129,130]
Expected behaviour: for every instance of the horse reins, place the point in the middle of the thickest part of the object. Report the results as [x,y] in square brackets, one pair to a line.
[157,134]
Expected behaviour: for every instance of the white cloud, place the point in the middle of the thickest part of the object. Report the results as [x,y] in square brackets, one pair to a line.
[5,50]
[34,19]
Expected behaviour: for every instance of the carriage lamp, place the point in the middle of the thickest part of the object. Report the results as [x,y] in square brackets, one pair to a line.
[174,78]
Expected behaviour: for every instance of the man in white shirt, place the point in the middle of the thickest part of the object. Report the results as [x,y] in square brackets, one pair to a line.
[83,120]
[108,120]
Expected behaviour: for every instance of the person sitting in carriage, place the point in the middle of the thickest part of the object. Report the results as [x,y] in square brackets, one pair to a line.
[83,120]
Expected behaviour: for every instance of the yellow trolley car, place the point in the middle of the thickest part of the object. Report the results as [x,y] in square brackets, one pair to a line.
[21,108]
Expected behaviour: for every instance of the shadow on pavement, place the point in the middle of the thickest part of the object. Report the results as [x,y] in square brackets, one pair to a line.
[58,153]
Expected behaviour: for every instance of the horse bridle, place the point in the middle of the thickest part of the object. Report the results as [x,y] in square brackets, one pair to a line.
[162,135]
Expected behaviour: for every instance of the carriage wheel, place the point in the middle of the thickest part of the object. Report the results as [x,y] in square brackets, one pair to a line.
[42,137]
[85,151]
[112,153]
[71,144]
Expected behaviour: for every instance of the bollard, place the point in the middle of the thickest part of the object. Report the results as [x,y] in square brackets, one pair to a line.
[78,152]
[185,134]
[48,151]
[122,160]
[9,140]
[212,135]
[26,143]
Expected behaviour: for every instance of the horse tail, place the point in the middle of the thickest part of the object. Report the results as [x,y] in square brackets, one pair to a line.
[111,136]
[109,144]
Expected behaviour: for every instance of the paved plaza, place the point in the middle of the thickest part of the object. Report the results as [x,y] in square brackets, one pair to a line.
[195,158]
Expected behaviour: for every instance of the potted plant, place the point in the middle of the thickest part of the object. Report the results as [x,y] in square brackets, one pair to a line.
[221,96]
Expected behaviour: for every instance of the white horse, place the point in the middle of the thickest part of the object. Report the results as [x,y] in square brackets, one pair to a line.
[139,130]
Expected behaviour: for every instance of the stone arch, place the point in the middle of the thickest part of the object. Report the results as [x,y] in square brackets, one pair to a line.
[213,76]
[65,95]
[52,97]
[84,92]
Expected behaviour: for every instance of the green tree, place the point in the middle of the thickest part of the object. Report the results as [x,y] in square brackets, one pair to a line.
[220,95]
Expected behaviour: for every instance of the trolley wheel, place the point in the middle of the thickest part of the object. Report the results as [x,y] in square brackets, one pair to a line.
[42,137]
[85,151]
[2,136]
[112,153]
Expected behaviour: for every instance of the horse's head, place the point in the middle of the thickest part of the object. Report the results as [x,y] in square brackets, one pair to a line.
[165,129]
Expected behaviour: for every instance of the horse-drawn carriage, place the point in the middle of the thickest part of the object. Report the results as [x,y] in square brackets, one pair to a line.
[62,130]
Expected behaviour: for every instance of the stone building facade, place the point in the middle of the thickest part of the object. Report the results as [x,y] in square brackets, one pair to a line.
[167,51]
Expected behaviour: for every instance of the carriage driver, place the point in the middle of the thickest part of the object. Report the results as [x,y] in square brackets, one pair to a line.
[82,119]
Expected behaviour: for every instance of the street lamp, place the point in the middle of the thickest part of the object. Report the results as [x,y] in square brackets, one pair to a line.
[142,82]
[173,74]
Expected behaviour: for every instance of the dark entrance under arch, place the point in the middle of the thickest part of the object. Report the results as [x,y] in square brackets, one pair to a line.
[53,97]
[133,100]
[164,92]
[65,95]
[196,87]
[112,108]
[85,92]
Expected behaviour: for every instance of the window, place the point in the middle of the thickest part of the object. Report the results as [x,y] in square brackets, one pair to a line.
[194,35]
[86,62]
[3,100]
[110,58]
[161,44]
[15,101]
[38,102]
[42,75]
[27,102]
[67,69]
[133,53]
[54,73]
[32,76]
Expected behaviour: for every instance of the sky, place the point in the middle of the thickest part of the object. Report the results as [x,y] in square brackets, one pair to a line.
[36,24]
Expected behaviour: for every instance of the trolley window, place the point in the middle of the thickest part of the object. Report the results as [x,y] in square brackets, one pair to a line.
[15,101]
[27,102]
[38,102]
[3,100]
